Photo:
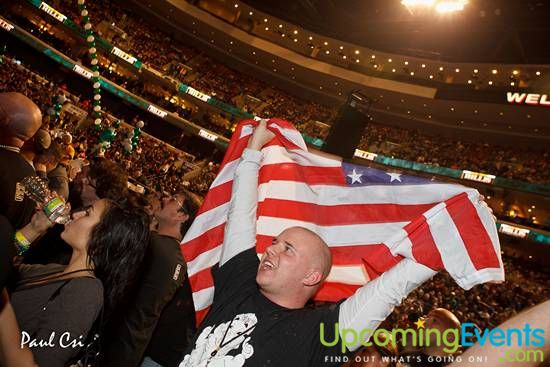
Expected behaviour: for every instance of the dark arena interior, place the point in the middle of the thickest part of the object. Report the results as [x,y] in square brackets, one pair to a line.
[404,135]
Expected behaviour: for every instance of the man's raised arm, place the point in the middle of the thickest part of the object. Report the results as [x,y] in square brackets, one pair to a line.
[240,229]
[372,303]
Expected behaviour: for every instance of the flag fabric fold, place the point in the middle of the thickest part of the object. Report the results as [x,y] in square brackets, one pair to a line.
[370,218]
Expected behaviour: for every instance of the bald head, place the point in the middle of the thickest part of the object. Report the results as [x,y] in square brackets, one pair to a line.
[293,267]
[20,118]
[443,319]
[320,255]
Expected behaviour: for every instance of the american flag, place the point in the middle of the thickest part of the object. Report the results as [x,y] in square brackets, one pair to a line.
[370,218]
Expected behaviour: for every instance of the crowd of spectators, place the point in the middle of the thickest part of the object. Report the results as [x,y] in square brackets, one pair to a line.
[161,167]
[413,145]
[486,305]
[154,164]
[161,51]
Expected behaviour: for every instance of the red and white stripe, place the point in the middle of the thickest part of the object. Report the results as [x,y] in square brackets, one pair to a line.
[369,229]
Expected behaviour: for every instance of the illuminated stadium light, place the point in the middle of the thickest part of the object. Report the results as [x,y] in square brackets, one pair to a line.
[357,60]
[476,71]
[295,31]
[446,7]
[469,81]
[327,52]
[423,66]
[250,13]
[538,73]
[406,63]
[280,26]
[267,28]
[390,60]
[431,76]
[236,5]
[441,68]
[310,38]
[412,73]
[393,70]
[265,20]
[418,3]
[494,71]
[375,66]
[457,70]
[490,82]
[512,84]
[357,53]
[515,72]
[341,47]
[325,43]
[371,56]
[344,57]
[295,39]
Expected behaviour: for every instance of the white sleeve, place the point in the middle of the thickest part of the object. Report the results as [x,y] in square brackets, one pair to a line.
[372,303]
[240,229]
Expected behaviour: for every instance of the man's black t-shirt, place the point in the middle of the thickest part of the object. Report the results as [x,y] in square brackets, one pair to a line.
[243,327]
[13,203]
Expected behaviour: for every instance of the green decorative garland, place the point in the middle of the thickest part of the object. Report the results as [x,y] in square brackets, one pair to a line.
[92,51]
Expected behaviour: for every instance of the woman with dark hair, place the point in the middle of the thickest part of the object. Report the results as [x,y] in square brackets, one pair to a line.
[56,305]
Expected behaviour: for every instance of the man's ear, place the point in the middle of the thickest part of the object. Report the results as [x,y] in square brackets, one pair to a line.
[312,278]
[183,217]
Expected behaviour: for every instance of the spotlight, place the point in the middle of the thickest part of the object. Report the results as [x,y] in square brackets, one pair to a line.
[446,7]
[417,3]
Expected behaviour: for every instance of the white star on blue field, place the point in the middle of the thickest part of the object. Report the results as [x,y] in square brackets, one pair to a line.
[363,176]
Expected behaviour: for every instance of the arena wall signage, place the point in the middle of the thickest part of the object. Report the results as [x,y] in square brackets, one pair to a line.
[123,55]
[205,134]
[81,71]
[8,27]
[51,11]
[365,155]
[513,230]
[478,177]
[197,94]
[533,99]
[156,111]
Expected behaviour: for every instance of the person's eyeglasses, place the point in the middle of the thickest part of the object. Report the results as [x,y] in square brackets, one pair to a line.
[87,181]
[179,202]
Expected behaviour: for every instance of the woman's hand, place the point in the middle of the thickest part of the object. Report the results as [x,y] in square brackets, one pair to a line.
[40,223]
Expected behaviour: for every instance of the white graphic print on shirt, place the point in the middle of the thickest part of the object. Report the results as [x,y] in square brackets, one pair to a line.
[213,344]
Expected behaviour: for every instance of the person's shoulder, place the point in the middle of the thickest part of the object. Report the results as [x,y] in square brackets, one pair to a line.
[159,238]
[14,158]
[27,271]
[89,286]
[160,244]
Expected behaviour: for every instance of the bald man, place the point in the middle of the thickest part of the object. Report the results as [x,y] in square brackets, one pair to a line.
[259,315]
[20,118]
[434,353]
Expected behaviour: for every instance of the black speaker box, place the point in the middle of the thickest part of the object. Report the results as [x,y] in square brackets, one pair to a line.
[346,132]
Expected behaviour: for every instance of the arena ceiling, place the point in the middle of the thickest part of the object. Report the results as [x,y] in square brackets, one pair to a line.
[505,31]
